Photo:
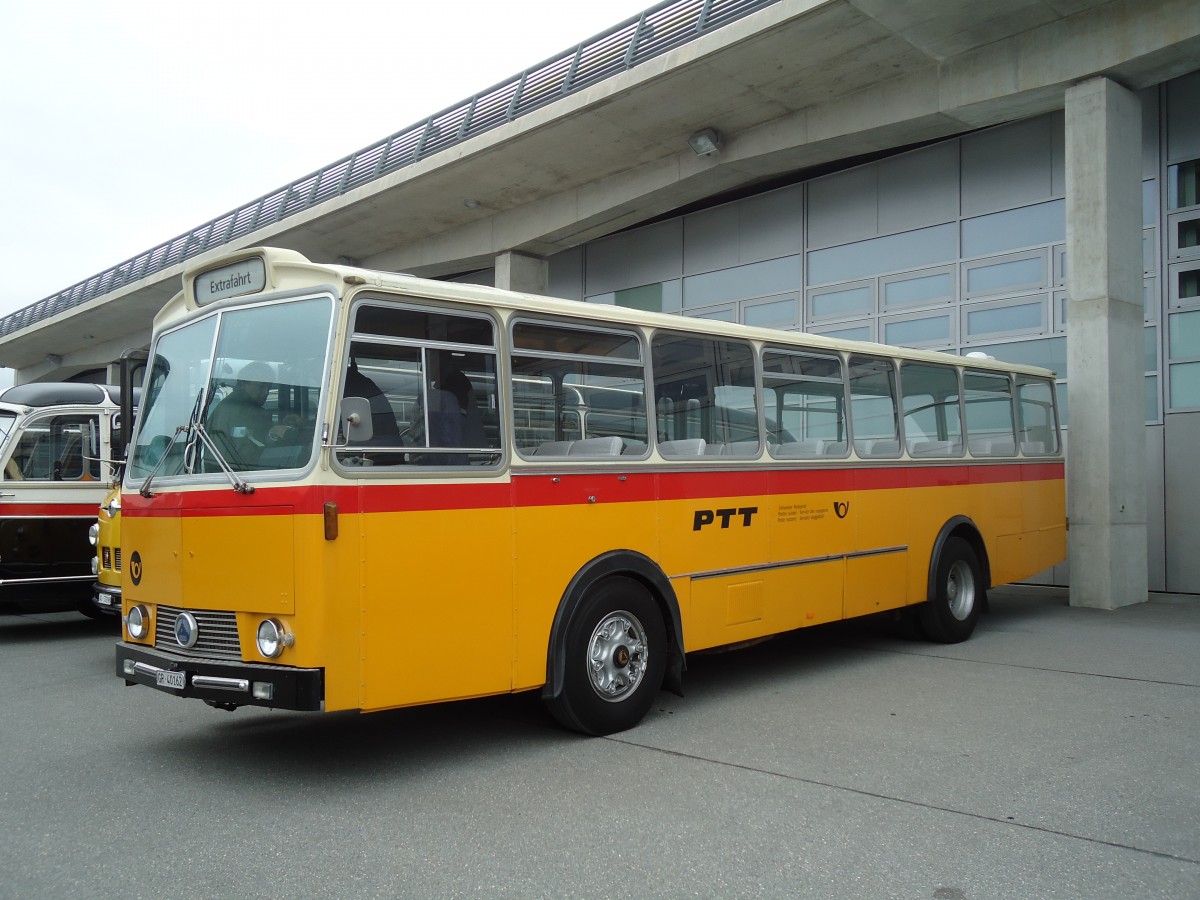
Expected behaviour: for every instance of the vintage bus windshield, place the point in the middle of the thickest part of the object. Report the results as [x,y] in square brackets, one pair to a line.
[248,378]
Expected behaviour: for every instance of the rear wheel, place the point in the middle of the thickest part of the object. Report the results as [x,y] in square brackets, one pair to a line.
[958,594]
[615,657]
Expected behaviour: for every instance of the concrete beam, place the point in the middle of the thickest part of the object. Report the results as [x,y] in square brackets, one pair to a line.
[1106,472]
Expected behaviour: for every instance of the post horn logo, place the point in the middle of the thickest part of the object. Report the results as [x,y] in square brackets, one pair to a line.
[842,509]
[135,568]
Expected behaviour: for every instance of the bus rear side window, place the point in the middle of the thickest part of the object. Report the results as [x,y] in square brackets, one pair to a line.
[987,398]
[1038,429]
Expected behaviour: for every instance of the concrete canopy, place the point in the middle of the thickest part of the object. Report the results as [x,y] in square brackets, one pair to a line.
[799,84]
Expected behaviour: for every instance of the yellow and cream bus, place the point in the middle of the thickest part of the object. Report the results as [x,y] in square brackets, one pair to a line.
[362,490]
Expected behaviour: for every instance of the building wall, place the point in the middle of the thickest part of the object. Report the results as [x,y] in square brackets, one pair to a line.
[957,246]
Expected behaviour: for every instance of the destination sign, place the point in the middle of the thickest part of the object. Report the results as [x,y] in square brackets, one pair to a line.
[247,276]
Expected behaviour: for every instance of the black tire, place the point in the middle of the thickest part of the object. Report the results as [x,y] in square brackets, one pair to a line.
[615,655]
[958,594]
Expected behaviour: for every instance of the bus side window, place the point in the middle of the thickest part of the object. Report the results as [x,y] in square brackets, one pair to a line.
[932,422]
[708,386]
[58,448]
[1038,428]
[988,401]
[806,398]
[433,397]
[873,424]
[577,392]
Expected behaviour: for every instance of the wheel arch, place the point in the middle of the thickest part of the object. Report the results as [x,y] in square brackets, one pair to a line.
[631,564]
[965,528]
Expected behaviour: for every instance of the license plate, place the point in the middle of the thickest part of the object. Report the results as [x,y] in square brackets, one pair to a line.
[174,680]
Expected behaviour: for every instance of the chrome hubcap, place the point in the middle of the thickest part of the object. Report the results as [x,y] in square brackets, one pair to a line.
[960,590]
[617,656]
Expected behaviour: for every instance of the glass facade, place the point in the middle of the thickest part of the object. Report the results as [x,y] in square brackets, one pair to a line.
[863,255]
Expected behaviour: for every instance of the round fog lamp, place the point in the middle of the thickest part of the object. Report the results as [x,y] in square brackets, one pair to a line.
[138,622]
[272,638]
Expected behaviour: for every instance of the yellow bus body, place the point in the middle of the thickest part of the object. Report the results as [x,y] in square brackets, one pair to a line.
[455,598]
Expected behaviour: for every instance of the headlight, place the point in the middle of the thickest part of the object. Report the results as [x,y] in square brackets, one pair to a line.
[138,622]
[95,565]
[272,638]
[94,533]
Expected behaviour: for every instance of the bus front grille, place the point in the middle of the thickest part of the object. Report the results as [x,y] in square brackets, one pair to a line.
[218,634]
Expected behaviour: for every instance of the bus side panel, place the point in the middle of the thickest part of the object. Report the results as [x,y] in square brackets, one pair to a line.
[882,513]
[562,522]
[1045,517]
[437,610]
[781,530]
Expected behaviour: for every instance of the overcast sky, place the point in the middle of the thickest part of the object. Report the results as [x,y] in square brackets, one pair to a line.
[125,123]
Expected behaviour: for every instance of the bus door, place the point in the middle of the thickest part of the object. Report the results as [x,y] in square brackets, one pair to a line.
[434,533]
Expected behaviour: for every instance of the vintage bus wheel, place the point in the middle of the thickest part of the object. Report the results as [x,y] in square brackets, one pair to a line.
[957,596]
[615,654]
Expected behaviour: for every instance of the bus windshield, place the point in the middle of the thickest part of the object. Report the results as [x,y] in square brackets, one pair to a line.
[238,390]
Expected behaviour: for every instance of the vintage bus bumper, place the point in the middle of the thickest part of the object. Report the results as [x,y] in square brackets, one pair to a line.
[106,598]
[221,683]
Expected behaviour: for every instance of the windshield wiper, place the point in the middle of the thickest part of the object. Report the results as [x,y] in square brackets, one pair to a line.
[239,483]
[144,490]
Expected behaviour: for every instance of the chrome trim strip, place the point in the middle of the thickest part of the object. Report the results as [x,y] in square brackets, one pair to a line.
[882,551]
[58,579]
[240,685]
[788,564]
[143,668]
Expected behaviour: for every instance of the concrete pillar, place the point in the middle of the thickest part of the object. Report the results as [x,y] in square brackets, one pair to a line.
[1106,452]
[521,272]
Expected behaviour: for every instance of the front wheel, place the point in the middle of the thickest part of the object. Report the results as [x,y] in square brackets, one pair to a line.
[958,594]
[616,646]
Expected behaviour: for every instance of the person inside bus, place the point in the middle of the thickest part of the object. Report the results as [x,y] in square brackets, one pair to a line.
[453,420]
[239,425]
[383,419]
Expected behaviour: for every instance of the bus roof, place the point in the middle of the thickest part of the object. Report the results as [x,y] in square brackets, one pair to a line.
[289,270]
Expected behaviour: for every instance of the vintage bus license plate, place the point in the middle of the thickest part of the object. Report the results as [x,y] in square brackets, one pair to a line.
[175,680]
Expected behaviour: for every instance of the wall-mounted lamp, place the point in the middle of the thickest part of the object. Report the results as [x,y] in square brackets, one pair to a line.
[705,142]
[52,359]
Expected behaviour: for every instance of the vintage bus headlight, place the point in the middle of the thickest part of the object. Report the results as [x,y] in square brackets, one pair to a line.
[138,622]
[94,533]
[272,638]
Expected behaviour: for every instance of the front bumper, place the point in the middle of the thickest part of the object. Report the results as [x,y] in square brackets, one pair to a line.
[221,682]
[107,599]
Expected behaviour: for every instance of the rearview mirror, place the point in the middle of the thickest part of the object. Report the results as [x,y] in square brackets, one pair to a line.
[355,416]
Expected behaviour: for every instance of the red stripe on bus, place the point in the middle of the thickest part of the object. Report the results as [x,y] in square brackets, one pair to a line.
[565,489]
